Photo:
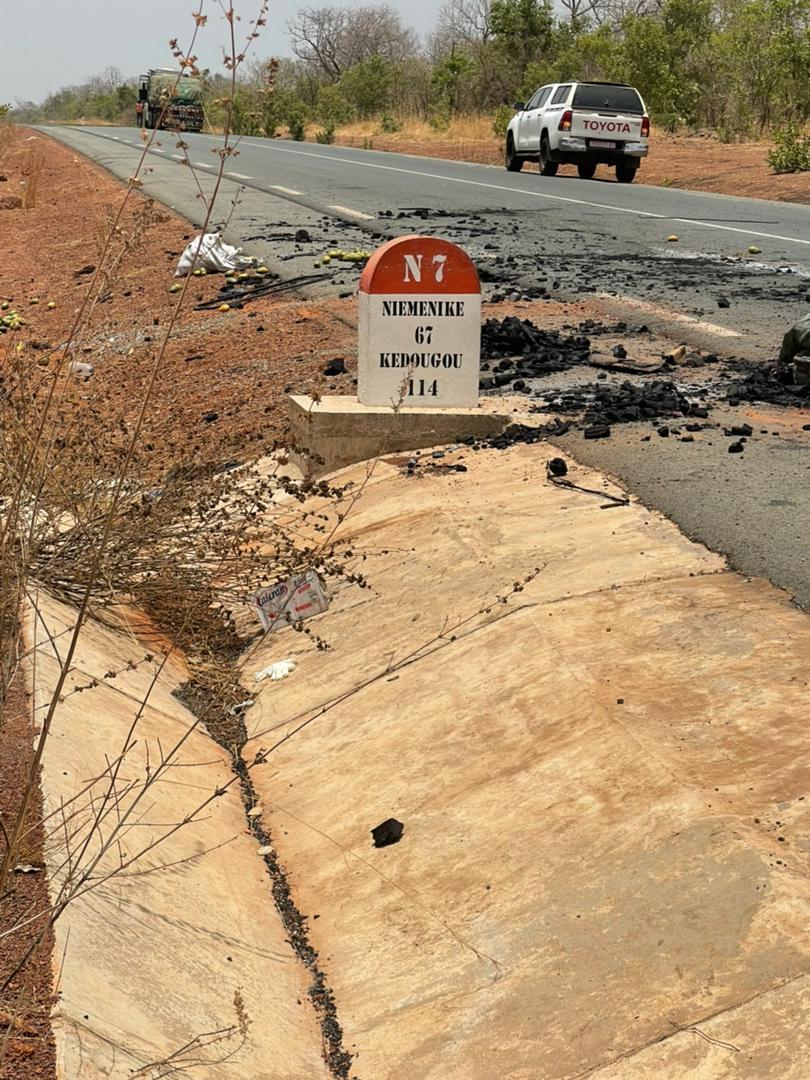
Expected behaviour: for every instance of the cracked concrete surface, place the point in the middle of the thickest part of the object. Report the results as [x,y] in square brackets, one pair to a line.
[593,789]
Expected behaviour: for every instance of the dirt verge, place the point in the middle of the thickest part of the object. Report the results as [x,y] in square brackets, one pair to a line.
[26,992]
[223,380]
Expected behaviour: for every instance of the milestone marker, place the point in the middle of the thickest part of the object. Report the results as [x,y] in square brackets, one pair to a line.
[419,326]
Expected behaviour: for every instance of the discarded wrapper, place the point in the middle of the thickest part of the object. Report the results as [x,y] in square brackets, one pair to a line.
[280,670]
[290,601]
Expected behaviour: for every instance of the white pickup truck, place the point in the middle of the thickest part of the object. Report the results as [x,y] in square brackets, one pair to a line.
[582,124]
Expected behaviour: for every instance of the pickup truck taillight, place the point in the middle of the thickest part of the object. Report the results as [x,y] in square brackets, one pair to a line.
[645,127]
[566,120]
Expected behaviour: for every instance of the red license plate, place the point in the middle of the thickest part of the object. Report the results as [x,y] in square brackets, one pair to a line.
[600,144]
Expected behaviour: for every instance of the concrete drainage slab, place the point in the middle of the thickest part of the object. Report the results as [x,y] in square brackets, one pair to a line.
[600,770]
[150,958]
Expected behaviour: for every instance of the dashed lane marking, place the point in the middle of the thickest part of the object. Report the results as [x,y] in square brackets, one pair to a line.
[510,190]
[671,316]
[352,213]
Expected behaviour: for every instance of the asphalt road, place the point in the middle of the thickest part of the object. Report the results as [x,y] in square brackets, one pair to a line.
[571,236]
[574,238]
[752,507]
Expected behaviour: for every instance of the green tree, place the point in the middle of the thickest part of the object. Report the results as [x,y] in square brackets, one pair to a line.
[126,97]
[647,63]
[522,30]
[576,53]
[735,66]
[331,107]
[449,75]
[665,57]
[368,86]
[769,43]
[246,118]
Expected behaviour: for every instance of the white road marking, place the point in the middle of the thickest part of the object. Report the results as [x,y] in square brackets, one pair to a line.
[177,157]
[239,176]
[202,164]
[157,150]
[515,191]
[534,194]
[353,213]
[669,315]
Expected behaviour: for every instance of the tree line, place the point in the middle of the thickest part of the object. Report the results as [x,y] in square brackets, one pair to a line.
[108,96]
[738,67]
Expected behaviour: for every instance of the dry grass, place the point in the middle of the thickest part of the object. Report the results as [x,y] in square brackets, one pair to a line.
[85,525]
[467,138]
[32,171]
[6,137]
[90,121]
[462,129]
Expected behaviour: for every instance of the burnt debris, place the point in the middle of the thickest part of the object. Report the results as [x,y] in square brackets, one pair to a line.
[626,403]
[522,350]
[758,382]
[387,833]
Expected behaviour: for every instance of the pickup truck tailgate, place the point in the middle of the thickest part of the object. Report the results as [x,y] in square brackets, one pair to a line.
[601,126]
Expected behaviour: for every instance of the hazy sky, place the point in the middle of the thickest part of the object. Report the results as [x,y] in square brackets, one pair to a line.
[46,44]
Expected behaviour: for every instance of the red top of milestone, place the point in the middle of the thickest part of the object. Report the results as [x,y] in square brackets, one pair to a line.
[422,265]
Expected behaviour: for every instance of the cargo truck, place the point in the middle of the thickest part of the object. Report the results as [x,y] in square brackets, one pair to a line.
[167,99]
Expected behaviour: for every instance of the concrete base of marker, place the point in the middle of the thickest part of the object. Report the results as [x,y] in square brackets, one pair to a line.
[339,431]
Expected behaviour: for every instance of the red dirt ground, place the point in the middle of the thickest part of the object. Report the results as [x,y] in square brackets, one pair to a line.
[235,364]
[25,1003]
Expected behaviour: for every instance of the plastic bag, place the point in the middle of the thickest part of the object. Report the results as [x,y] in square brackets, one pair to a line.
[214,254]
[279,670]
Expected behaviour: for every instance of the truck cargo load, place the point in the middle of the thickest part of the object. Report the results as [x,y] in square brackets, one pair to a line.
[167,99]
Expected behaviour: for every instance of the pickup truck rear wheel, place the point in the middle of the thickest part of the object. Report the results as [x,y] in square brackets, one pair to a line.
[547,166]
[626,171]
[586,169]
[513,162]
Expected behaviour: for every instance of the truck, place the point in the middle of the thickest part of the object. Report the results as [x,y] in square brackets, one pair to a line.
[582,124]
[168,99]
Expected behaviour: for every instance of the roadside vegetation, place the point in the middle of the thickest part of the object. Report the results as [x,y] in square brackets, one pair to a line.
[86,520]
[736,68]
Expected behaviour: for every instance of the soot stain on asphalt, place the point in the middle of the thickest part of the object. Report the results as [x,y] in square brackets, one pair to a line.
[562,259]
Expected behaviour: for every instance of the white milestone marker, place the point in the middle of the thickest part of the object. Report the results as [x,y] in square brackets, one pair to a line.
[419,326]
